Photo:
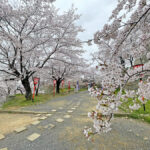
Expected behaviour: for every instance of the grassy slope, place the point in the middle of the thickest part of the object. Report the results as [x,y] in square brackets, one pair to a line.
[19,100]
[137,114]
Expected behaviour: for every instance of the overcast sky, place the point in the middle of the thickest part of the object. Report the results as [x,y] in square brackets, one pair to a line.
[95,14]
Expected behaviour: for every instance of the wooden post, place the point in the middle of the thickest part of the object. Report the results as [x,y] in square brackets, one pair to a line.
[54,83]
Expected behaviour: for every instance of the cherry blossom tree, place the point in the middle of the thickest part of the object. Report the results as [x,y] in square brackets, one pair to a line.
[31,32]
[125,38]
[65,66]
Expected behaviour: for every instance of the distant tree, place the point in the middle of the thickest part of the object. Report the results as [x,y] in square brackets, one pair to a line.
[65,66]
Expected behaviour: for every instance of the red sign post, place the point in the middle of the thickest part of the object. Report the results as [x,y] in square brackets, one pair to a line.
[54,83]
[35,82]
[62,84]
[68,86]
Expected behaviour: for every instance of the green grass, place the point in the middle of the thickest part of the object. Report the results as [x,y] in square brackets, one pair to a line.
[137,114]
[83,89]
[19,100]
[65,90]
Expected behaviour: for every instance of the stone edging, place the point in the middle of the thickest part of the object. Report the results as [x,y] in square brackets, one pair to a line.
[22,112]
[35,112]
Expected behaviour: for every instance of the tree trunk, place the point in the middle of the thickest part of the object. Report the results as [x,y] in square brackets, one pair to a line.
[58,86]
[26,85]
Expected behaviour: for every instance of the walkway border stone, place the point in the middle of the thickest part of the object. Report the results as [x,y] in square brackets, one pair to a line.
[2,136]
[22,112]
[18,130]
[33,137]
[4,148]
[37,112]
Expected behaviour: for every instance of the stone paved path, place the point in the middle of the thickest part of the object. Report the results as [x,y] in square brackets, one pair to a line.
[63,129]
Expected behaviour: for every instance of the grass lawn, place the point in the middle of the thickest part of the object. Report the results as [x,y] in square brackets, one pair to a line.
[83,89]
[19,100]
[137,114]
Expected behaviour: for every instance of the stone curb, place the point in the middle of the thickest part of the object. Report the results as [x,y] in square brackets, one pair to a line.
[121,114]
[22,112]
[35,112]
[127,114]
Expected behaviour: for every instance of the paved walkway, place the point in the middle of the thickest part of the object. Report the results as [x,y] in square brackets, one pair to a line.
[62,129]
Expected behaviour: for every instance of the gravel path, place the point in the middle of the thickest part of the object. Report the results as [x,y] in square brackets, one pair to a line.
[126,134]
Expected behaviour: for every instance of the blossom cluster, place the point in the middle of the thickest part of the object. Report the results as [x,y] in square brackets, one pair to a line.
[122,41]
[104,111]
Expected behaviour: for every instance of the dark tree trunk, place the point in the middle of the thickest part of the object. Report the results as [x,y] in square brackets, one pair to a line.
[37,89]
[144,107]
[26,85]
[58,86]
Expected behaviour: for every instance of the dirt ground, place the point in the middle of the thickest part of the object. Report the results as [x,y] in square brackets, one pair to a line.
[9,122]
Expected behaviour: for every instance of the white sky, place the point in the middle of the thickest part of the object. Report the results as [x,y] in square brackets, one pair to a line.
[95,14]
